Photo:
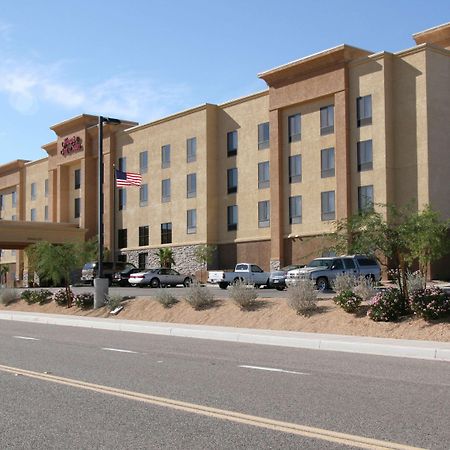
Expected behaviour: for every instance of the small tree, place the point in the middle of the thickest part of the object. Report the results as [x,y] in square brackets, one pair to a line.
[4,269]
[165,256]
[204,254]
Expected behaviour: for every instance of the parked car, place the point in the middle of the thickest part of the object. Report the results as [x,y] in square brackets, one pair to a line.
[277,278]
[325,270]
[251,273]
[159,277]
[215,276]
[89,271]
[121,278]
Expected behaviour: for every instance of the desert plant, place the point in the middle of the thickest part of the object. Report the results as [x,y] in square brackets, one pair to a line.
[63,297]
[7,296]
[199,297]
[113,301]
[386,306]
[302,297]
[40,296]
[429,303]
[415,281]
[348,301]
[165,256]
[26,295]
[364,288]
[243,295]
[344,283]
[85,300]
[166,298]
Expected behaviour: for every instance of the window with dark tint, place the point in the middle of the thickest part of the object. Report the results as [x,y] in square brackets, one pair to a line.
[33,191]
[263,136]
[327,162]
[264,214]
[349,263]
[142,260]
[295,168]
[77,208]
[191,221]
[191,185]
[143,235]
[77,178]
[365,198]
[364,261]
[166,233]
[263,175]
[45,213]
[191,149]
[295,209]
[256,269]
[294,128]
[165,156]
[328,205]
[122,258]
[123,164]
[364,155]
[165,190]
[232,217]
[46,187]
[232,143]
[327,120]
[232,180]
[2,204]
[337,264]
[13,199]
[364,110]
[122,238]
[143,162]
[143,195]
[122,199]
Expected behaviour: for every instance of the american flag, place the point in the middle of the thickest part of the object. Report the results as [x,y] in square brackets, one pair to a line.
[127,179]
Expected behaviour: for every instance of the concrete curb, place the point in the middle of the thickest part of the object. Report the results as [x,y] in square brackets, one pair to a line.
[430,350]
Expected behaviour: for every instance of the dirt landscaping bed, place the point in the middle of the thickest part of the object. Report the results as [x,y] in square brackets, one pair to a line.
[271,314]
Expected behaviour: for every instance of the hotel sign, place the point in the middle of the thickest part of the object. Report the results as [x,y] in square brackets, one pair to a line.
[71,145]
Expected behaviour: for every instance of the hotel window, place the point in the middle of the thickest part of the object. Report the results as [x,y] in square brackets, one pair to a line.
[33,214]
[77,208]
[327,120]
[294,128]
[33,191]
[143,235]
[13,199]
[121,258]
[122,199]
[295,209]
[232,217]
[364,110]
[46,213]
[166,233]
[122,238]
[264,214]
[122,164]
[365,198]
[327,162]
[165,156]
[232,180]
[364,155]
[232,143]
[165,190]
[191,149]
[327,205]
[77,178]
[263,175]
[143,195]
[191,221]
[142,260]
[2,206]
[46,188]
[143,162]
[191,185]
[263,136]
[295,169]
[13,217]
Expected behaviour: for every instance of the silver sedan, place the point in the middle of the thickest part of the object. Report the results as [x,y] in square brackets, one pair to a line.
[159,277]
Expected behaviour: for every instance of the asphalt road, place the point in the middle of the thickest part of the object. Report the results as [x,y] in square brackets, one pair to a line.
[392,399]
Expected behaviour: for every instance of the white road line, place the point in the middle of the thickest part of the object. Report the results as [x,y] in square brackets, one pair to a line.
[26,338]
[118,350]
[272,369]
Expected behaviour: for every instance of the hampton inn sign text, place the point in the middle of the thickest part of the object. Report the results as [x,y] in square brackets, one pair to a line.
[71,145]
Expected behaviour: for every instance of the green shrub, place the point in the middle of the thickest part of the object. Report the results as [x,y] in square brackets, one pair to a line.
[386,306]
[199,297]
[40,296]
[85,300]
[243,295]
[348,301]
[429,303]
[165,298]
[26,295]
[113,301]
[7,296]
[62,298]
[302,297]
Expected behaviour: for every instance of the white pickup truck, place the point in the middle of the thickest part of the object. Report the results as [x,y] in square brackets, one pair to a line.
[250,273]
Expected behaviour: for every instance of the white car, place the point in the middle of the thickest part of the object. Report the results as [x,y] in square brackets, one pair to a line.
[159,277]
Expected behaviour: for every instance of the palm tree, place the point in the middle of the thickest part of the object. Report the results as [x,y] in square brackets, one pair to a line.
[4,269]
[165,256]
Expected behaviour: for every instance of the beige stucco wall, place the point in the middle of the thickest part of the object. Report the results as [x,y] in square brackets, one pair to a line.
[36,172]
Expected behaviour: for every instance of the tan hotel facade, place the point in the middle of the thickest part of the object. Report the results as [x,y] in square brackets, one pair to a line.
[259,176]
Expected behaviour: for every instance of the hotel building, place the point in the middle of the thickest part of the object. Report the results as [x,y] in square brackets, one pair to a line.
[261,177]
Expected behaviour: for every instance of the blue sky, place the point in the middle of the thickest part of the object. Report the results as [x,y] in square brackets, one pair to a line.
[141,60]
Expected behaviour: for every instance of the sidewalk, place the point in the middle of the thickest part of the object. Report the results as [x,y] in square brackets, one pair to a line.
[431,350]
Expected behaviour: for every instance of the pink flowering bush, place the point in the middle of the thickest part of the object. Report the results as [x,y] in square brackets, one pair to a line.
[386,306]
[429,303]
[348,301]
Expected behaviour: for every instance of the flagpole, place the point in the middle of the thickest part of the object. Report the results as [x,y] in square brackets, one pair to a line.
[113,240]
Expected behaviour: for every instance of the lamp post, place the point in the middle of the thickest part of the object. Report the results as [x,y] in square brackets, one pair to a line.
[101,284]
